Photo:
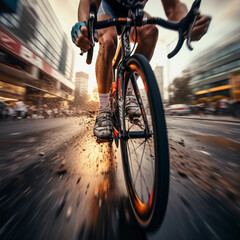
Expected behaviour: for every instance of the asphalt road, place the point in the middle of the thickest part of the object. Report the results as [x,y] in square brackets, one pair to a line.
[56,182]
[218,139]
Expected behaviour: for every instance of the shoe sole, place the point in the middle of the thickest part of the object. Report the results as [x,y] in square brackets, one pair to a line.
[104,140]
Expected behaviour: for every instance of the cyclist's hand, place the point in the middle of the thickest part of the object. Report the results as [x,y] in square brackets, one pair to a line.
[200,27]
[80,36]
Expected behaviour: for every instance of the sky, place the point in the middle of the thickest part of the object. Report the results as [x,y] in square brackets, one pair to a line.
[225,17]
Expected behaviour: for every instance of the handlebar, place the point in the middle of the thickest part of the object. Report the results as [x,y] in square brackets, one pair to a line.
[91,21]
[184,26]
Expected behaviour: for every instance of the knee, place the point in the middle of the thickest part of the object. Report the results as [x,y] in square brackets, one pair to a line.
[108,45]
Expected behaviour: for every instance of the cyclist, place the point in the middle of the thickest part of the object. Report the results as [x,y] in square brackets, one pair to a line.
[146,38]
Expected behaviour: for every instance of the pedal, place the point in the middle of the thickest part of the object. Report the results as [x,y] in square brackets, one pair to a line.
[104,140]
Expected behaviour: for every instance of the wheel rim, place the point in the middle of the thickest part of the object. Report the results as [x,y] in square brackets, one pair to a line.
[140,155]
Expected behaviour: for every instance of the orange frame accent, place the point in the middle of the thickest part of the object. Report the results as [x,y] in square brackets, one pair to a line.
[117,56]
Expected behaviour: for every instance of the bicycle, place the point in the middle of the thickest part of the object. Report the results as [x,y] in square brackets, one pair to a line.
[143,139]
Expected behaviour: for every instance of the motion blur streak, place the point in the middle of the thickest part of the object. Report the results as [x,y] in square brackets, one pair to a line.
[56,182]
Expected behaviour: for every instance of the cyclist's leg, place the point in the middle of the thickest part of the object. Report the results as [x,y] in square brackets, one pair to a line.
[146,38]
[107,48]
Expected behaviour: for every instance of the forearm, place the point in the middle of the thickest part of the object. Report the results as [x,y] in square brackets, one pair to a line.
[83,9]
[174,9]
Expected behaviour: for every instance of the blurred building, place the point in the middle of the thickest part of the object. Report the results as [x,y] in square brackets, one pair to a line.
[158,71]
[36,57]
[81,87]
[217,73]
[8,5]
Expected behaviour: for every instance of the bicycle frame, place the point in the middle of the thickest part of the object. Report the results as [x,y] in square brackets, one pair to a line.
[121,57]
[124,52]
[144,153]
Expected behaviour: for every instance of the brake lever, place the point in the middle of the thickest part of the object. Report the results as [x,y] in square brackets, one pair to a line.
[90,31]
[184,26]
[91,21]
[89,24]
[90,28]
[178,46]
[189,35]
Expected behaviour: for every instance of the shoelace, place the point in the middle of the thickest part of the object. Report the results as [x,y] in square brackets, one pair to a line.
[103,117]
[131,99]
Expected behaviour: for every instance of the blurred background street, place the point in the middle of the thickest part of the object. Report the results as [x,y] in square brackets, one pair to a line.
[56,182]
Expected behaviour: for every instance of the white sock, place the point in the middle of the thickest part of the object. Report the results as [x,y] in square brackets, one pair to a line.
[104,100]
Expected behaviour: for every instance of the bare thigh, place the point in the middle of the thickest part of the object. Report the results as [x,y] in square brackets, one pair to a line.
[106,34]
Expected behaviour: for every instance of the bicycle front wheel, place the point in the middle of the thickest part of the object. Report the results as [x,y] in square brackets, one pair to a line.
[145,147]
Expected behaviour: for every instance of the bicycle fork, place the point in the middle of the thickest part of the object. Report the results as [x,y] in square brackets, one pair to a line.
[119,129]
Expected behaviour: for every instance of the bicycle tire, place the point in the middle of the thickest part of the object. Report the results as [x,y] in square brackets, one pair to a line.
[149,214]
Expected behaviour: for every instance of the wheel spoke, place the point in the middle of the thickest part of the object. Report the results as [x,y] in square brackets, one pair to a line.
[136,148]
[145,183]
[142,152]
[140,162]
[136,160]
[129,154]
[140,144]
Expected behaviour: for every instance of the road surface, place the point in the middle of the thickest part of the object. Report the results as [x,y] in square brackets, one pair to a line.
[56,182]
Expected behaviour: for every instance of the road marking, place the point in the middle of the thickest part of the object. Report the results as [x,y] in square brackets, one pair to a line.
[232,148]
[197,132]
[221,122]
[226,132]
[200,124]
[204,152]
[13,134]
[211,230]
